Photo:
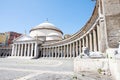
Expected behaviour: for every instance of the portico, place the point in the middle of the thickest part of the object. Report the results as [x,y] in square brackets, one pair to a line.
[25,46]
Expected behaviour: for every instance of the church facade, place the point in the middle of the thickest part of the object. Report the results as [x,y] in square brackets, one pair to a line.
[101,32]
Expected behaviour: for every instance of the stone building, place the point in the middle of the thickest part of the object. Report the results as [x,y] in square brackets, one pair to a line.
[7,38]
[101,32]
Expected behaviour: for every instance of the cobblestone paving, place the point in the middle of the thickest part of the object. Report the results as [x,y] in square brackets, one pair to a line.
[41,69]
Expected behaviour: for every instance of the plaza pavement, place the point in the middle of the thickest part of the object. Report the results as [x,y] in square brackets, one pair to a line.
[40,69]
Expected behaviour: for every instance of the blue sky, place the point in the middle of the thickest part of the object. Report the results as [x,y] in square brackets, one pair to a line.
[67,15]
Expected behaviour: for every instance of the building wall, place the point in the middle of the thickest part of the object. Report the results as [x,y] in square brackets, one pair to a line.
[49,34]
[7,38]
[112,18]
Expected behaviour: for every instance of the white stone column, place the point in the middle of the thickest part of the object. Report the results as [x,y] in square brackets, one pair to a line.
[73,52]
[80,47]
[43,51]
[98,36]
[86,41]
[31,50]
[13,49]
[55,52]
[35,50]
[67,50]
[21,50]
[52,51]
[61,54]
[95,40]
[90,37]
[49,51]
[83,42]
[70,50]
[58,52]
[64,51]
[28,51]
[46,52]
[25,49]
[18,50]
[76,49]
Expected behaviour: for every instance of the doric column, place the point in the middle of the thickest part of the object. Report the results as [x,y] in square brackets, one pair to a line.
[58,52]
[28,51]
[18,50]
[73,52]
[86,41]
[83,42]
[55,52]
[61,54]
[80,47]
[35,50]
[43,49]
[70,50]
[52,51]
[90,37]
[49,52]
[64,51]
[25,49]
[67,50]
[98,36]
[13,48]
[76,48]
[45,52]
[21,50]
[95,40]
[31,50]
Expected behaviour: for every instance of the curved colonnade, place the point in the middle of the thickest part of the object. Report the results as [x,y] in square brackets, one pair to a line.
[88,36]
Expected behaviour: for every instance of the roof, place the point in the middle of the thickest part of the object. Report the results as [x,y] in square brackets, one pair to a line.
[46,25]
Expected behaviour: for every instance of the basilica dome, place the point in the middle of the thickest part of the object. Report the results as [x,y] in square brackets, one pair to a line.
[46,31]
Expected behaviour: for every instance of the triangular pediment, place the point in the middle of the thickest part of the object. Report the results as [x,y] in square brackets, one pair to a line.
[24,38]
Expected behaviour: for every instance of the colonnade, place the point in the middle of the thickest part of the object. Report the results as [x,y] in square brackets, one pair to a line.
[24,49]
[5,52]
[73,48]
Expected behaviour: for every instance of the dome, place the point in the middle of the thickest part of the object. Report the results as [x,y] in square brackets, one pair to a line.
[46,25]
[47,31]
